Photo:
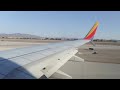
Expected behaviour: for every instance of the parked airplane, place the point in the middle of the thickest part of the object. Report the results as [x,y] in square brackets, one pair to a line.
[40,62]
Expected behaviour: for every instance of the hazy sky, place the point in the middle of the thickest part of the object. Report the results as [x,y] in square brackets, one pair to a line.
[61,23]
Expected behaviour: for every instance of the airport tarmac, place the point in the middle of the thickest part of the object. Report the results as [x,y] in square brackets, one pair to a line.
[105,64]
[104,53]
[5,45]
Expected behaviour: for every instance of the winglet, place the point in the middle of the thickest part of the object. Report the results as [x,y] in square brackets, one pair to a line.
[92,32]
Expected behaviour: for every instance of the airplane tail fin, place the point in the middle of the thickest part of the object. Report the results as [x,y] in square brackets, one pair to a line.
[92,32]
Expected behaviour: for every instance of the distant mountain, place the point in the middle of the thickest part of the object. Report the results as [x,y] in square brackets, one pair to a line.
[18,35]
[29,36]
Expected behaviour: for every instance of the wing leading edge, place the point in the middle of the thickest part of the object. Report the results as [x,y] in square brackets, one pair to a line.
[40,61]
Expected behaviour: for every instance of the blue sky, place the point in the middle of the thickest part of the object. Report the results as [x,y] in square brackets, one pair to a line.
[61,23]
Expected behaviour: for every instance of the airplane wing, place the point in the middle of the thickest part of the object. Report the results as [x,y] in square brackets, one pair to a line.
[40,61]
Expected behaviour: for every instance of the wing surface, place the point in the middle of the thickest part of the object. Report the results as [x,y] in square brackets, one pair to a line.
[39,60]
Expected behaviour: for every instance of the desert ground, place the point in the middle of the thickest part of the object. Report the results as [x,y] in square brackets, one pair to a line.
[104,64]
